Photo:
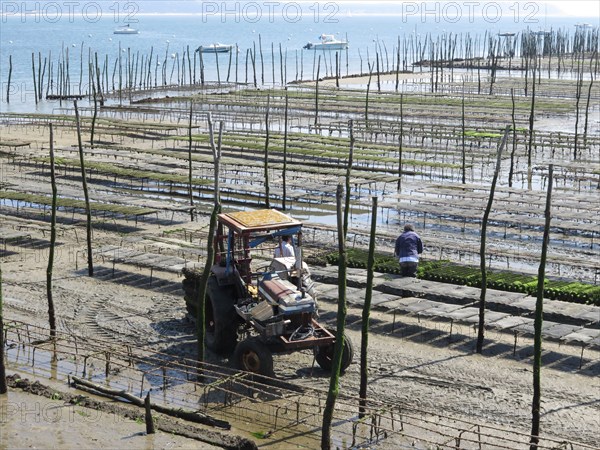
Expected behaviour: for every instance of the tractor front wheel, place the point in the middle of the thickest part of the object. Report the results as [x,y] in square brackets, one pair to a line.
[324,354]
[252,355]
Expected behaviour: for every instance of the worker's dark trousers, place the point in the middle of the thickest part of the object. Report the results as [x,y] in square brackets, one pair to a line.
[408,269]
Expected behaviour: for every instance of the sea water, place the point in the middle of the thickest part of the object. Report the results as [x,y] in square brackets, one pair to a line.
[281,29]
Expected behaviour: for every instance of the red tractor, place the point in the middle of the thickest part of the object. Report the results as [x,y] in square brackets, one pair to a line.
[273,306]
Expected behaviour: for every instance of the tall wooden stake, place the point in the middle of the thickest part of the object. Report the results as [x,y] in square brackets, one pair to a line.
[88,211]
[537,325]
[400,142]
[9,78]
[200,299]
[484,222]
[334,383]
[367,95]
[3,387]
[51,316]
[530,143]
[95,116]
[266,163]
[148,415]
[285,141]
[463,149]
[514,140]
[34,82]
[317,93]
[190,142]
[364,341]
[348,173]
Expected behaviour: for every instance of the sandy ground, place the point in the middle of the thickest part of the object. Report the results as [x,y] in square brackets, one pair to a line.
[30,421]
[417,365]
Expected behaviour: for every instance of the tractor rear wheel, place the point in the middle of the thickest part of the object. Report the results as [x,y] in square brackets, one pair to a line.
[324,354]
[252,355]
[221,320]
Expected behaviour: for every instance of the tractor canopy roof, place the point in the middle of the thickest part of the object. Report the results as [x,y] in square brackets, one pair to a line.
[262,220]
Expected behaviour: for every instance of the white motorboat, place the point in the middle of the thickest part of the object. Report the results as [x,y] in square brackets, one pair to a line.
[327,42]
[215,48]
[126,29]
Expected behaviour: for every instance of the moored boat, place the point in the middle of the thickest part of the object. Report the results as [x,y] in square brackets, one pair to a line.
[126,29]
[327,42]
[215,48]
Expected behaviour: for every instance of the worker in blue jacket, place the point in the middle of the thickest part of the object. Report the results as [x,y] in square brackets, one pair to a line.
[408,248]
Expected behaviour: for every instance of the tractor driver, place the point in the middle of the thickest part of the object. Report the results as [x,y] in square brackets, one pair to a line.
[285,248]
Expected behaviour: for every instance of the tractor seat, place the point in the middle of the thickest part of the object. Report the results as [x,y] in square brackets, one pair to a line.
[276,289]
[286,297]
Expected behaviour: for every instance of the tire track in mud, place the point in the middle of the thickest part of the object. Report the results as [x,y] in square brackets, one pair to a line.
[152,325]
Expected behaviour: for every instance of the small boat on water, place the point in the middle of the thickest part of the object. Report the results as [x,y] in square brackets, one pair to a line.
[215,48]
[328,42]
[126,29]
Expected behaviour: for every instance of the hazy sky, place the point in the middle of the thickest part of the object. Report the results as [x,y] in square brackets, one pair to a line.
[577,8]
[590,9]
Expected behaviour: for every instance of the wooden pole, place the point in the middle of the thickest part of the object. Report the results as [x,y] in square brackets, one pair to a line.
[253,60]
[49,269]
[364,342]
[285,142]
[514,140]
[191,416]
[273,62]
[531,121]
[218,70]
[148,415]
[378,72]
[94,117]
[247,55]
[281,66]
[98,85]
[367,95]
[589,94]
[262,62]
[537,325]
[334,385]
[348,175]
[579,88]
[237,52]
[229,65]
[190,81]
[9,78]
[317,93]
[266,162]
[463,148]
[400,142]
[482,254]
[3,387]
[34,82]
[200,299]
[337,68]
[190,143]
[88,211]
